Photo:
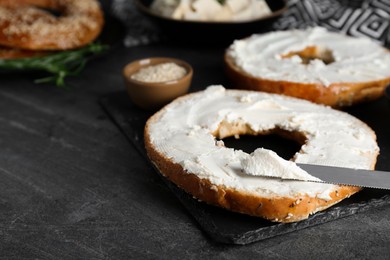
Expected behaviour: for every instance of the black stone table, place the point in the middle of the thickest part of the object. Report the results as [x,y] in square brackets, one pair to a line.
[72,186]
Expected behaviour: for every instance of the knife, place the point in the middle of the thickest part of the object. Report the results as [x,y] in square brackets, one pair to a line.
[348,176]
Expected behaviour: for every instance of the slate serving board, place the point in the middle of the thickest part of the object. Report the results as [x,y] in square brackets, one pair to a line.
[233,228]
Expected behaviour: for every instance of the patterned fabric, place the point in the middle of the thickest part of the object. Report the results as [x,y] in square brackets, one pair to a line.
[370,18]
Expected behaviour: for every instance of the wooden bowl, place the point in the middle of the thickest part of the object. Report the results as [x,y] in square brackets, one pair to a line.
[154,95]
[211,33]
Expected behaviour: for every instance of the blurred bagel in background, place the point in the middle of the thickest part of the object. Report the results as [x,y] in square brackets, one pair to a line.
[49,24]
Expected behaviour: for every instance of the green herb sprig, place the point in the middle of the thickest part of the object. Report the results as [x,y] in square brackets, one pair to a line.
[222,2]
[60,65]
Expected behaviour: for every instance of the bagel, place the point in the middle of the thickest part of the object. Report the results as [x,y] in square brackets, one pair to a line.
[12,53]
[314,64]
[25,24]
[181,140]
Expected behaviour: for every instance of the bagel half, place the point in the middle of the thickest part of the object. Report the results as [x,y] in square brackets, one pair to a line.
[181,141]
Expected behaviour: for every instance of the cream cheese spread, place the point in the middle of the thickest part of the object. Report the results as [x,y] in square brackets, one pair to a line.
[211,10]
[266,163]
[184,134]
[354,59]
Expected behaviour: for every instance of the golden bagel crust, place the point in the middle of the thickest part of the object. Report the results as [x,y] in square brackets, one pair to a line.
[336,95]
[11,53]
[25,25]
[277,209]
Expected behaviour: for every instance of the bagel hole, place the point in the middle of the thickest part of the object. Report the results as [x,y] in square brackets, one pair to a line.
[286,144]
[312,53]
[53,12]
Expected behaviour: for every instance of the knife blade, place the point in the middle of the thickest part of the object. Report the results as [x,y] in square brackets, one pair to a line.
[348,176]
